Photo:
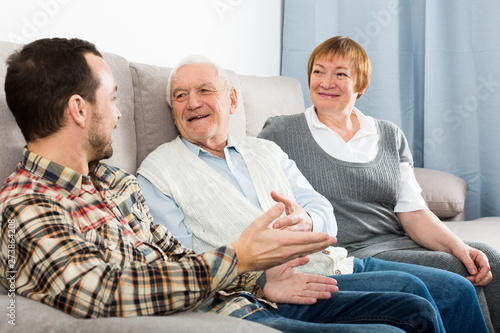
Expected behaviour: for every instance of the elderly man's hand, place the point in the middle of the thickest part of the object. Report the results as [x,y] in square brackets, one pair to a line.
[260,247]
[297,218]
[285,285]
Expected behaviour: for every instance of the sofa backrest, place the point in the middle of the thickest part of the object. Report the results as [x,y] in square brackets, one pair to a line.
[146,118]
[11,139]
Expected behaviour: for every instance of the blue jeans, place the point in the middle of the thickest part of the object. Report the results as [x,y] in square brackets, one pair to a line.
[453,296]
[403,296]
[355,311]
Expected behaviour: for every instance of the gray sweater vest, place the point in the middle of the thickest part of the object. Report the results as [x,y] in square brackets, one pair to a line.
[363,195]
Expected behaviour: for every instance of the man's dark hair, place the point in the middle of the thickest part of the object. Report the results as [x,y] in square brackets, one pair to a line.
[41,78]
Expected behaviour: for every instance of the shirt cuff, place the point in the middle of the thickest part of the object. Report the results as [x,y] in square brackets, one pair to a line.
[320,226]
[223,265]
[409,207]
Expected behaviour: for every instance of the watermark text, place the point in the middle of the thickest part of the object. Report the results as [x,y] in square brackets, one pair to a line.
[11,272]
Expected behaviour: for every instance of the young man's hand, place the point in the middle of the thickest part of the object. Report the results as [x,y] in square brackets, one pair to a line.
[285,285]
[260,247]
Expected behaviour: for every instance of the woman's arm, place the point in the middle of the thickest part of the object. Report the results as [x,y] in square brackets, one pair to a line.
[425,229]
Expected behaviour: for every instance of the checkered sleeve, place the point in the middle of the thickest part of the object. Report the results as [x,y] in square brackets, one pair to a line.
[56,265]
[251,282]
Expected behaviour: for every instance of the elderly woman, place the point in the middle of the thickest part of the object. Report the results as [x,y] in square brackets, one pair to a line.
[364,167]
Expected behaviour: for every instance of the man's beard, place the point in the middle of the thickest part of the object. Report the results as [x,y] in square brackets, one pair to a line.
[99,144]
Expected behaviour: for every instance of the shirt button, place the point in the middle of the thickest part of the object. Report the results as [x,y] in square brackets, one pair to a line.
[338,272]
[325,252]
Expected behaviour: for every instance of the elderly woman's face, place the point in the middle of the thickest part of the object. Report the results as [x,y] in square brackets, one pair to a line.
[332,85]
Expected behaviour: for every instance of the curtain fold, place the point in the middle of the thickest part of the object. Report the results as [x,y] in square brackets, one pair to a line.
[436,74]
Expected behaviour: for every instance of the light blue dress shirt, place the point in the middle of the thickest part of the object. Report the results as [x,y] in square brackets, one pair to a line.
[165,210]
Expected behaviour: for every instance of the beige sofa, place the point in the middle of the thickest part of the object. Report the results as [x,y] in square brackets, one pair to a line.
[147,123]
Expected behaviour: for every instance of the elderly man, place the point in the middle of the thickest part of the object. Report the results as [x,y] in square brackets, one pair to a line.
[85,241]
[207,186]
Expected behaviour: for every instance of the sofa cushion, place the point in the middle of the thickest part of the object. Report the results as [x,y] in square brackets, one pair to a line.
[153,116]
[33,317]
[483,230]
[124,137]
[10,134]
[266,97]
[443,192]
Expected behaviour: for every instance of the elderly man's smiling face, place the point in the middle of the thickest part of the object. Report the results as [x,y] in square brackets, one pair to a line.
[200,106]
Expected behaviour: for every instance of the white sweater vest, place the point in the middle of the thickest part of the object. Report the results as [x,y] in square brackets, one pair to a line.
[215,211]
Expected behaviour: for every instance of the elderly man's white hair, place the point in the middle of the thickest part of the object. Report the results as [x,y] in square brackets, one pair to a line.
[198,59]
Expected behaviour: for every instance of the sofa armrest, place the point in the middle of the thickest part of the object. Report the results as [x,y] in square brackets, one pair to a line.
[443,192]
[482,230]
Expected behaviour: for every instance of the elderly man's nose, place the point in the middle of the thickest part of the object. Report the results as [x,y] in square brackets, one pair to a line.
[193,101]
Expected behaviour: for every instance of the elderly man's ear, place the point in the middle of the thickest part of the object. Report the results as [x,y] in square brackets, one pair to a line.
[234,100]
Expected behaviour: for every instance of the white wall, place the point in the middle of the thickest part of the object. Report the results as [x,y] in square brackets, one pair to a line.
[242,35]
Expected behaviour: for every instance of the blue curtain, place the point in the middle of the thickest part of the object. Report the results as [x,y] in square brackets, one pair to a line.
[436,74]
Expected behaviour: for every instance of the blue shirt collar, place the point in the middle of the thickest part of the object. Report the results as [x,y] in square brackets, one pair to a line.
[199,151]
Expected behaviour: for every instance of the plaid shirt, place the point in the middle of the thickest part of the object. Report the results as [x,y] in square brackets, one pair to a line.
[88,246]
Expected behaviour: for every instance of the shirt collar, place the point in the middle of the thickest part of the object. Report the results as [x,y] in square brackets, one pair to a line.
[104,173]
[365,124]
[64,177]
[199,151]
